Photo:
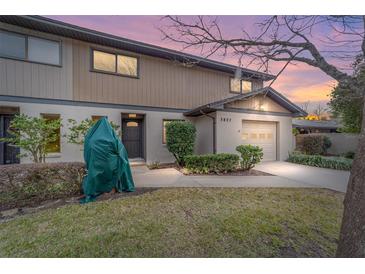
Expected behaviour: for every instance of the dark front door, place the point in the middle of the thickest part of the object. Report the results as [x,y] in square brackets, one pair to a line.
[8,153]
[132,137]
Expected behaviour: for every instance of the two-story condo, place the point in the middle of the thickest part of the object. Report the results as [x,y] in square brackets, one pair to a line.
[57,70]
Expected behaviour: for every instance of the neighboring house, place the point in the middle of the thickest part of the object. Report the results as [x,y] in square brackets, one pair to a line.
[310,126]
[57,70]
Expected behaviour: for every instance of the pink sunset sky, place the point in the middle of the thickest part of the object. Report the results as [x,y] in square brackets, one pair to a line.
[299,82]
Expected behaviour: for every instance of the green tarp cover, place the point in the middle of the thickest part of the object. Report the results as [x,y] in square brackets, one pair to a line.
[106,162]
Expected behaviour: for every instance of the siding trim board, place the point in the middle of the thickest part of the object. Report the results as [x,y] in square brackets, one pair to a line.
[21,99]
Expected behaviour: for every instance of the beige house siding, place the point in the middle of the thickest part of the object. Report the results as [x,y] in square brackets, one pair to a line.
[162,83]
[259,102]
[20,78]
[204,134]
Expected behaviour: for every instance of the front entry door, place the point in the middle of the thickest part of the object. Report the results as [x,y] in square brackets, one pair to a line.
[8,154]
[132,137]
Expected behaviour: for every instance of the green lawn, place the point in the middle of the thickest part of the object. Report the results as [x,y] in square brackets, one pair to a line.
[189,222]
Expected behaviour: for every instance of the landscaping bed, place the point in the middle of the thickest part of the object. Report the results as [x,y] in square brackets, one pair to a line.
[237,172]
[184,222]
[28,185]
[333,162]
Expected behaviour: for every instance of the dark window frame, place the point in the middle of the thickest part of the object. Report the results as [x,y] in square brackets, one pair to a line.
[26,59]
[115,53]
[241,91]
[163,127]
[96,118]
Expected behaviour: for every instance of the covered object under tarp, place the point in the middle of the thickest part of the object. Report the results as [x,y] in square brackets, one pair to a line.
[106,162]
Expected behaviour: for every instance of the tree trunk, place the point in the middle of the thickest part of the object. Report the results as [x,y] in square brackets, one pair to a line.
[352,235]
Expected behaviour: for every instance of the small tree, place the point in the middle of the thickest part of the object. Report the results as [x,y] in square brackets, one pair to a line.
[33,135]
[250,156]
[77,131]
[347,105]
[180,139]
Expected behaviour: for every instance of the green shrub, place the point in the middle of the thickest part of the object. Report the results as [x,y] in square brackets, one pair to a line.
[326,143]
[349,155]
[320,161]
[154,165]
[30,184]
[314,144]
[211,163]
[250,156]
[33,135]
[180,139]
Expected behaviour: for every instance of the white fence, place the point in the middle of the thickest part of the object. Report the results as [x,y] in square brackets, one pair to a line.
[341,142]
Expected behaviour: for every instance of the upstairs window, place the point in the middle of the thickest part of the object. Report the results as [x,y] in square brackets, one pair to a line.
[235,85]
[246,86]
[240,86]
[29,48]
[115,63]
[12,45]
[104,61]
[43,51]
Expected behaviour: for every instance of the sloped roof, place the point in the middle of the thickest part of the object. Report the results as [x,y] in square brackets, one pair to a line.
[48,25]
[268,91]
[330,124]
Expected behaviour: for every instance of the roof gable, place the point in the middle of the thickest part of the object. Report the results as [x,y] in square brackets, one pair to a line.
[267,91]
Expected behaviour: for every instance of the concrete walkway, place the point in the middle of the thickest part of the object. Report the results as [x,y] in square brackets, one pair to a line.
[170,177]
[311,176]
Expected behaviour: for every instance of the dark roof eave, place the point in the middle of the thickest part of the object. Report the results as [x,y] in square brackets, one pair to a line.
[79,33]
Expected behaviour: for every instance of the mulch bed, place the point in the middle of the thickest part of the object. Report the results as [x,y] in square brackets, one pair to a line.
[162,166]
[251,172]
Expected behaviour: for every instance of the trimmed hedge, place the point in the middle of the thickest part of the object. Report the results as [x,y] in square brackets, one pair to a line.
[340,163]
[211,163]
[250,156]
[180,139]
[30,184]
[313,144]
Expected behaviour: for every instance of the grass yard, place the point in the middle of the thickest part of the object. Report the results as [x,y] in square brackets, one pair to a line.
[184,222]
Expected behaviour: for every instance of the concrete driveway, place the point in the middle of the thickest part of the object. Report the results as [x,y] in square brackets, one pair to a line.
[170,177]
[286,175]
[311,176]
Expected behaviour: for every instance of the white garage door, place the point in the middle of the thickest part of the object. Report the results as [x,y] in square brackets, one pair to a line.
[262,134]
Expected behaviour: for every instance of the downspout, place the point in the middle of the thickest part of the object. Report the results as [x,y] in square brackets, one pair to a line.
[214,130]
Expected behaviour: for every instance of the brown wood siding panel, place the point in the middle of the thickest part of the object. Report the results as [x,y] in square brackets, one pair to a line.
[20,78]
[255,102]
[162,83]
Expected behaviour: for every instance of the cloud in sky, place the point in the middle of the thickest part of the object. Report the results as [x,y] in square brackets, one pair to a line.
[299,82]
